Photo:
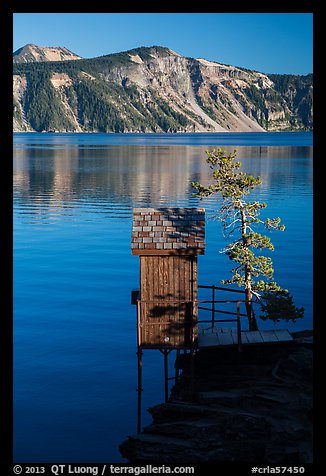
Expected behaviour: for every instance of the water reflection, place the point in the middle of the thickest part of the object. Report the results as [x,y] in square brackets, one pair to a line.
[65,178]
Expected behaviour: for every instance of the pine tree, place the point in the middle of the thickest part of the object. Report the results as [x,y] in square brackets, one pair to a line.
[240,217]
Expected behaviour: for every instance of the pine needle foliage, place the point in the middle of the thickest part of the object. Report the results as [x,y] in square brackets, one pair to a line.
[240,218]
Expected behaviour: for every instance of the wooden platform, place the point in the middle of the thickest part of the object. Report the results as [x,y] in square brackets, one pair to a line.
[228,337]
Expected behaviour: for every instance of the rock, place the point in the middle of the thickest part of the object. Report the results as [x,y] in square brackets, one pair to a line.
[253,407]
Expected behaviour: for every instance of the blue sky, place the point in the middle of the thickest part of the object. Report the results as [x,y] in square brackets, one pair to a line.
[266,42]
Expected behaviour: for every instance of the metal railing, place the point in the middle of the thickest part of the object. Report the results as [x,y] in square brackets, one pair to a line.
[195,305]
[213,319]
[213,309]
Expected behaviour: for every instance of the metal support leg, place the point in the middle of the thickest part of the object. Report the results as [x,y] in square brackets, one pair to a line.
[177,365]
[140,386]
[165,353]
[166,376]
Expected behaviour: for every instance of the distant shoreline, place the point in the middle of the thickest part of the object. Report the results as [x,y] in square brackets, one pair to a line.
[167,133]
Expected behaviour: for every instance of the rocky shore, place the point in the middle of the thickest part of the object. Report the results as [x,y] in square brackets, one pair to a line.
[250,407]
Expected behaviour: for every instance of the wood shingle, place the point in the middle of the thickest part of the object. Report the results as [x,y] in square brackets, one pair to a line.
[168,231]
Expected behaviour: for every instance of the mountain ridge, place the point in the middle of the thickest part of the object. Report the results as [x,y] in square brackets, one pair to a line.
[33,53]
[154,89]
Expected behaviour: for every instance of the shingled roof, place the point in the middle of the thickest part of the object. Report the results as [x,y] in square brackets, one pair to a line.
[168,231]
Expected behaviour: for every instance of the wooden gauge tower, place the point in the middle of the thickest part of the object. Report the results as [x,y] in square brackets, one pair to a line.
[167,241]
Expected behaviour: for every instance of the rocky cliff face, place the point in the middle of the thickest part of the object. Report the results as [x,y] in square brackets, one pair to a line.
[156,90]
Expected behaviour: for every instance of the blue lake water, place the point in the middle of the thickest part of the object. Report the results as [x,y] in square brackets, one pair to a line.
[75,369]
